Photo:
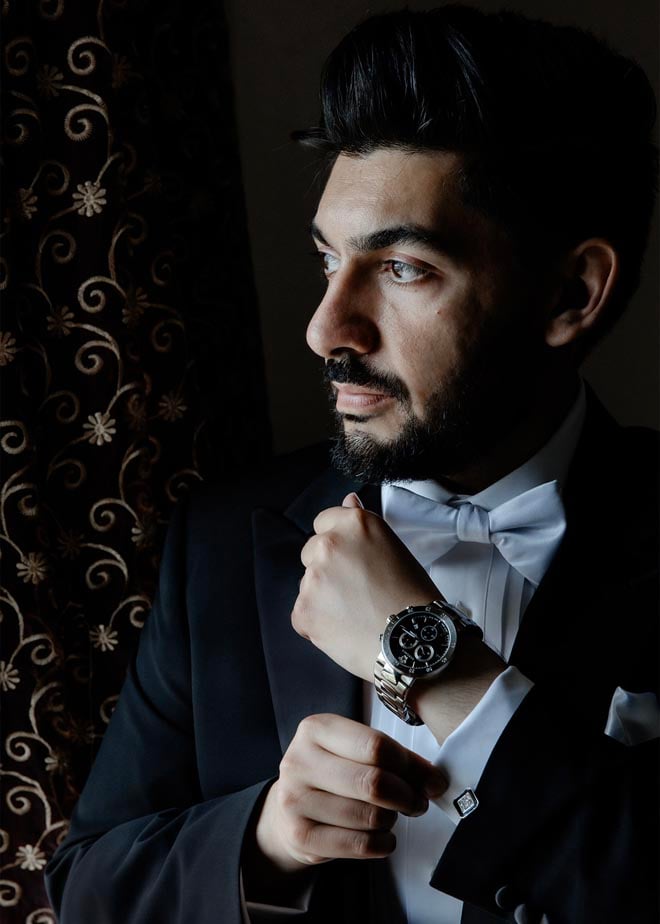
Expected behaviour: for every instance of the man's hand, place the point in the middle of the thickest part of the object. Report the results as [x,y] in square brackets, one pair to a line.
[357,572]
[340,787]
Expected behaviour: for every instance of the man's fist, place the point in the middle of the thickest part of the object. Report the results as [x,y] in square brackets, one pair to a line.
[340,788]
[357,573]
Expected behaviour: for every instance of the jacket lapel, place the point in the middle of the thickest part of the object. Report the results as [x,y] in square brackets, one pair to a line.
[303,680]
[569,628]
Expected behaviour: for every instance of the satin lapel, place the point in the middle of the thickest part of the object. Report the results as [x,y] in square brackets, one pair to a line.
[567,630]
[303,680]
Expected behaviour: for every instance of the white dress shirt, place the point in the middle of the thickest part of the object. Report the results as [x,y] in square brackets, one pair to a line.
[470,575]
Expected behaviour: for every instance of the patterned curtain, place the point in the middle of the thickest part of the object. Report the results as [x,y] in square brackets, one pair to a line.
[130,367]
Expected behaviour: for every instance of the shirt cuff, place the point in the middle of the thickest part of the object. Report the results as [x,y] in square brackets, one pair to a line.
[464,754]
[255,912]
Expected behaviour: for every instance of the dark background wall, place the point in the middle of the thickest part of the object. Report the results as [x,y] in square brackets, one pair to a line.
[278,50]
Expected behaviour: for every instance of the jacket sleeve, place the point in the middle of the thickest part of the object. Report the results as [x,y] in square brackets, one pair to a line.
[143,845]
[566,829]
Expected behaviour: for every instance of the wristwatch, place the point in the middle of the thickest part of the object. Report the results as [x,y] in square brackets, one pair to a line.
[418,643]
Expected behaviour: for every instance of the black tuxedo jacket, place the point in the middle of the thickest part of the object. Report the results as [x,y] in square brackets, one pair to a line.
[566,826]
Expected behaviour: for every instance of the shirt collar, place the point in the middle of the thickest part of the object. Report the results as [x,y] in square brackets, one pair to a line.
[551,462]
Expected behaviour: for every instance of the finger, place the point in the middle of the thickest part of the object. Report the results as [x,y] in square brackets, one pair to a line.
[331,518]
[298,624]
[330,809]
[353,780]
[352,500]
[309,550]
[327,842]
[358,742]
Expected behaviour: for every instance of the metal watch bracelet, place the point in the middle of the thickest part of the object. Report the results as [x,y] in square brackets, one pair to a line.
[392,688]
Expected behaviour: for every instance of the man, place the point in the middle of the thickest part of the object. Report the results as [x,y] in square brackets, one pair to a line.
[482,225]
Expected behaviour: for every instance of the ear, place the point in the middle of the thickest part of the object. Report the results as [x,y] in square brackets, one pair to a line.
[590,272]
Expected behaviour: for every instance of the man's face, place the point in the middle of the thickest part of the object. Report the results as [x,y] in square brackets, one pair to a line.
[433,342]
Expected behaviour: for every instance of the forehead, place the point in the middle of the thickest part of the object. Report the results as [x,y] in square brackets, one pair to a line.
[388,186]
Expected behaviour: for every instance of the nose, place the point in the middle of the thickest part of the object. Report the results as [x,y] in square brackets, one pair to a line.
[343,321]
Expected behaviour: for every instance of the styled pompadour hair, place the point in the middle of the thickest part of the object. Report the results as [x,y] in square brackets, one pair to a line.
[554,127]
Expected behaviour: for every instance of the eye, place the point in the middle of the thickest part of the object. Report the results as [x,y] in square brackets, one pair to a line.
[405,272]
[329,263]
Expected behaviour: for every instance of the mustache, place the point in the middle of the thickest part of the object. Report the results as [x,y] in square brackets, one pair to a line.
[350,371]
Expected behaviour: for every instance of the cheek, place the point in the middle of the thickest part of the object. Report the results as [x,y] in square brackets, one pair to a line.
[429,361]
[435,350]
[428,333]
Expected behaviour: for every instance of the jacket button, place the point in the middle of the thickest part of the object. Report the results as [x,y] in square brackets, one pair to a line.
[505,899]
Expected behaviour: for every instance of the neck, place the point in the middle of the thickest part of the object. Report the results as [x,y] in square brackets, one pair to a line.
[520,443]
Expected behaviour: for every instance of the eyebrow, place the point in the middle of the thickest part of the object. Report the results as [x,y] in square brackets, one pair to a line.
[400,234]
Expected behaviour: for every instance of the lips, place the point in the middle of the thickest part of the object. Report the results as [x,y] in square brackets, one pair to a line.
[353,397]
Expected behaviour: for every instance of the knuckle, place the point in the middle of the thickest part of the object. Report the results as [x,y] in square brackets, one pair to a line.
[305,729]
[296,617]
[305,553]
[303,741]
[373,817]
[379,819]
[289,799]
[326,544]
[312,576]
[374,747]
[310,725]
[292,768]
[370,783]
[300,616]
[361,845]
[300,833]
[288,762]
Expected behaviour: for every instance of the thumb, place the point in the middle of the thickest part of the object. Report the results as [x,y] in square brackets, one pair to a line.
[352,500]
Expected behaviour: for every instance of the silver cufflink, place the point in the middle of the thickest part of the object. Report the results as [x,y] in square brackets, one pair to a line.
[466,803]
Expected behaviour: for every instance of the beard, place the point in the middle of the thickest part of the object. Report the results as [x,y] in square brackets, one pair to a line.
[476,406]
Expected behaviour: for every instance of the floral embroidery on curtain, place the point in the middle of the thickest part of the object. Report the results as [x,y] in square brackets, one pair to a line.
[130,367]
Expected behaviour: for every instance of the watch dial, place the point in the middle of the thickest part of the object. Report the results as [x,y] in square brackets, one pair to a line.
[419,642]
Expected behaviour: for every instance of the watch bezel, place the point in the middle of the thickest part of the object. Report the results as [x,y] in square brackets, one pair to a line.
[394,622]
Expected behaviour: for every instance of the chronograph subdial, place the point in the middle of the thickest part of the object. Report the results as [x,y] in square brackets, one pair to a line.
[424,652]
[408,641]
[420,641]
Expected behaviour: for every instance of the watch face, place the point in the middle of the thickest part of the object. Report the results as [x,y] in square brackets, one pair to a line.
[420,642]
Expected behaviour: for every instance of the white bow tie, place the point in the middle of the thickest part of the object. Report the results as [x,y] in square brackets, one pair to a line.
[526,529]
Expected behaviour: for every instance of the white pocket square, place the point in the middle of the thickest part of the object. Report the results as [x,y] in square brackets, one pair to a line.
[633,717]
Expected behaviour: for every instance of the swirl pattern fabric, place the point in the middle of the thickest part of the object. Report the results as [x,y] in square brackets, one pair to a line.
[130,368]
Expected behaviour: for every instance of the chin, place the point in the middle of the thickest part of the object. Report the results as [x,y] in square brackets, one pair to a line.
[385,424]
[371,452]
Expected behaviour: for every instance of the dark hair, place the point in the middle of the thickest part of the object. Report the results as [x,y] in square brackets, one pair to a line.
[554,127]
